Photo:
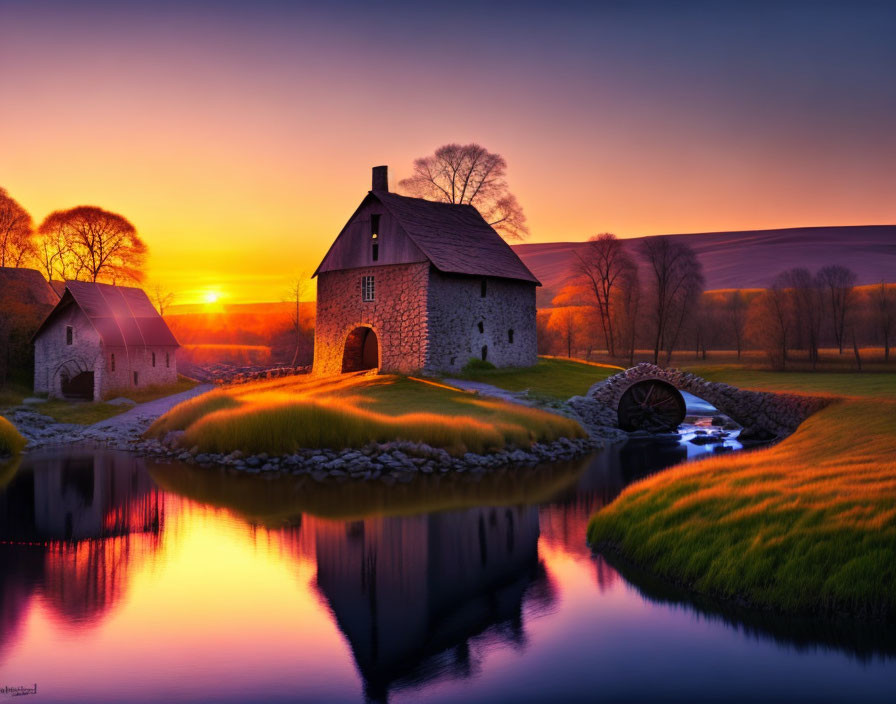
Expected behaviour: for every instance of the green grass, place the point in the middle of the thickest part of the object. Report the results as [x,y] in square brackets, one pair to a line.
[89,412]
[11,442]
[13,395]
[284,415]
[867,384]
[552,377]
[806,526]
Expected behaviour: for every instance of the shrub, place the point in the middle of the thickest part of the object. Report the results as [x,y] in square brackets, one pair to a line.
[184,414]
[477,365]
[11,441]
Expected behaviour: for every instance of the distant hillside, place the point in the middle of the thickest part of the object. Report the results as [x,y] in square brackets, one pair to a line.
[748,259]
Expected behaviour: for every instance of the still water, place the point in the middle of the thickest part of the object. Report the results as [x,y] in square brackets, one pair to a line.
[125,580]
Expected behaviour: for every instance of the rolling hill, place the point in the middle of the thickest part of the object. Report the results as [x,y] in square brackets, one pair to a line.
[746,259]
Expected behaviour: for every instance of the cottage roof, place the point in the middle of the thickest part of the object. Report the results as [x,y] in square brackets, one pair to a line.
[455,238]
[123,316]
[27,285]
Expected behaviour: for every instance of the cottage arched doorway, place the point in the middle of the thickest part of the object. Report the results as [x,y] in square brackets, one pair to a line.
[75,381]
[362,350]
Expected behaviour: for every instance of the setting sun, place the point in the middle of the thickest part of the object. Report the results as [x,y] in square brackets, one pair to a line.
[211,297]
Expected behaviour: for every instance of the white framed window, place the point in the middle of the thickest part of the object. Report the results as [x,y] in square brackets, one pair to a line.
[368,288]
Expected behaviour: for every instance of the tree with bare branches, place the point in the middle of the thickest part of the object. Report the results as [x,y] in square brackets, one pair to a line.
[297,290]
[839,284]
[805,291]
[883,300]
[770,321]
[16,232]
[604,264]
[675,282]
[469,174]
[101,246]
[162,297]
[735,315]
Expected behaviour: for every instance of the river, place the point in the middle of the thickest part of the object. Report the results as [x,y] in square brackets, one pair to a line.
[126,580]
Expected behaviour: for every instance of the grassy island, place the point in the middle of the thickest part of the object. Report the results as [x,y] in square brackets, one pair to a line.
[806,526]
[284,415]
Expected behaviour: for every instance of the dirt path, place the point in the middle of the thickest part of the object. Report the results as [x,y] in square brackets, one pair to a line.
[519,397]
[122,431]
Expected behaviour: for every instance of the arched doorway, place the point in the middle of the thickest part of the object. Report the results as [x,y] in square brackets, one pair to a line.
[362,350]
[75,381]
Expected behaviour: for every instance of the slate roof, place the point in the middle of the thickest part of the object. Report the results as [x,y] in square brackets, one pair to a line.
[455,238]
[27,285]
[123,316]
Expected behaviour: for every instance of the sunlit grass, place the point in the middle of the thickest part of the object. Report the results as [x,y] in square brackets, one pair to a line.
[552,377]
[808,525]
[11,441]
[279,416]
[831,383]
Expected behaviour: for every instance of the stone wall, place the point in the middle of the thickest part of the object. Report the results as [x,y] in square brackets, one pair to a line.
[53,357]
[759,412]
[397,315]
[456,308]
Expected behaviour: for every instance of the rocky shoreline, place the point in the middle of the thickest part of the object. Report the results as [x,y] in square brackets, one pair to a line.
[396,460]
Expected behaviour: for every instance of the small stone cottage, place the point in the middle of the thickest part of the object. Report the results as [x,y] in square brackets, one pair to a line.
[102,339]
[410,285]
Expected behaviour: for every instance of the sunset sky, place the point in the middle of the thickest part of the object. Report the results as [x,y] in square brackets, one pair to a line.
[238,137]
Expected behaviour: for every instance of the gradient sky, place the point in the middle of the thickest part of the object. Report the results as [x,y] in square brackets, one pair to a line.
[238,137]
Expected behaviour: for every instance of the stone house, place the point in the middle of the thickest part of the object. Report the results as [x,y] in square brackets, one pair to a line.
[411,285]
[102,339]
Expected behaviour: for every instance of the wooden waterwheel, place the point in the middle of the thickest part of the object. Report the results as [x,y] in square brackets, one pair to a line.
[651,405]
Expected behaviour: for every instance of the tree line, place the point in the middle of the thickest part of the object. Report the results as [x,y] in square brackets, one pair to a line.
[624,299]
[83,243]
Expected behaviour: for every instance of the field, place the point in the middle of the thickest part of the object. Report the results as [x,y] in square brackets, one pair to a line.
[552,377]
[284,415]
[806,526]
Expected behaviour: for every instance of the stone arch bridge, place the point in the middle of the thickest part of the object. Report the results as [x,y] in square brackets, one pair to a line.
[761,414]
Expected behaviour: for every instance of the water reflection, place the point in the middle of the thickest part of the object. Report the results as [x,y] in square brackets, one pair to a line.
[426,581]
[411,593]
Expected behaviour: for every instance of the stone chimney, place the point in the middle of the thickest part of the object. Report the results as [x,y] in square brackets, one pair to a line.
[380,178]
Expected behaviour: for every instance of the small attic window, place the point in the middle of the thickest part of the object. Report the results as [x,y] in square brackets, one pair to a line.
[69,334]
[481,327]
[153,359]
[375,237]
[510,336]
[368,288]
[482,291]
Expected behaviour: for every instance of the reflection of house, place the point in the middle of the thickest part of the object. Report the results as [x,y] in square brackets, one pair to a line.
[410,284]
[101,338]
[76,526]
[410,593]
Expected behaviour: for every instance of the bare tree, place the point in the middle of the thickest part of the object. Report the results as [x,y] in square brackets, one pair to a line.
[806,294]
[626,308]
[162,297]
[675,281]
[884,311]
[296,294]
[770,321]
[735,312]
[101,246]
[839,284]
[469,174]
[16,232]
[603,263]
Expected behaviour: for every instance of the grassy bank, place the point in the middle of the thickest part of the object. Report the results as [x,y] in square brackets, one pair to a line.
[87,412]
[552,377]
[11,442]
[808,525]
[816,383]
[284,415]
